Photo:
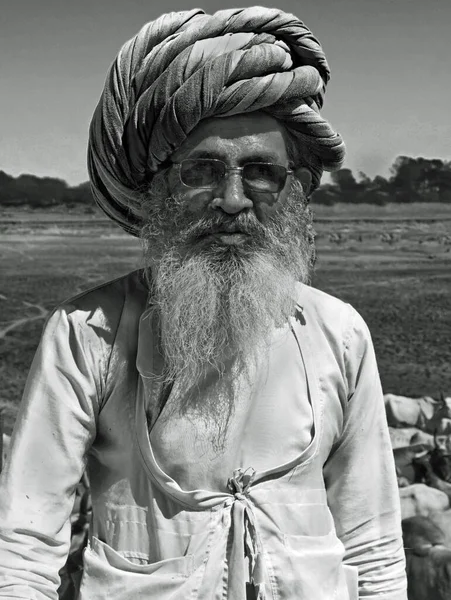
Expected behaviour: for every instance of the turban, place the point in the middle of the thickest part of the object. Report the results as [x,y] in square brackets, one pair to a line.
[187,66]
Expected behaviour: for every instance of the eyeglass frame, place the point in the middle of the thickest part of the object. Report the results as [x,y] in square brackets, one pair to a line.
[237,169]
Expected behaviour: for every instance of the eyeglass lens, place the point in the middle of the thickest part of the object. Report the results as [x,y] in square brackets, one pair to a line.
[208,174]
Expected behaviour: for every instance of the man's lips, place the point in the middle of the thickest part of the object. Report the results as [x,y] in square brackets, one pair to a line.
[229,237]
[225,236]
[226,229]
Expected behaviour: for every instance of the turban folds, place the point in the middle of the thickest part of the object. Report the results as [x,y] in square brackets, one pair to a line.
[187,66]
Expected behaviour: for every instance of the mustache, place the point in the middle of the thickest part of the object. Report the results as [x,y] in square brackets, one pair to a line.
[241,223]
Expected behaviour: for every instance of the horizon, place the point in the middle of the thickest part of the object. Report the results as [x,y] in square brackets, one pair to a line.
[325,179]
[388,95]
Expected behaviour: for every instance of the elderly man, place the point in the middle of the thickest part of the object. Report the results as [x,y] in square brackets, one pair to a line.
[230,416]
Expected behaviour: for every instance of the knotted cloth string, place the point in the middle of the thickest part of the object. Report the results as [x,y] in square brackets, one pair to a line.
[246,537]
[187,66]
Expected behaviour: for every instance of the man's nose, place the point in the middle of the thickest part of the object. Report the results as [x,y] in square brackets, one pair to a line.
[230,195]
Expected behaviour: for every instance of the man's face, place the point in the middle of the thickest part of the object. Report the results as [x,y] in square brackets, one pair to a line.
[252,138]
[223,262]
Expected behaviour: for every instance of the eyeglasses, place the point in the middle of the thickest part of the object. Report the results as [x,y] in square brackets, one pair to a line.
[208,173]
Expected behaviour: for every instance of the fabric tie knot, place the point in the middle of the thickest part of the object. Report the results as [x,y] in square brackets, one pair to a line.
[239,484]
[245,527]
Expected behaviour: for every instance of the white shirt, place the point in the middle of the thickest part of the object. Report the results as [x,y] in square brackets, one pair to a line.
[313,512]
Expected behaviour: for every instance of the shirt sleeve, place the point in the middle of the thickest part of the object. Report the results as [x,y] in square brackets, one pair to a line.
[361,480]
[55,427]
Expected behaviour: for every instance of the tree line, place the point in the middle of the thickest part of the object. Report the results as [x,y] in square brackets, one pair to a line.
[410,180]
[42,192]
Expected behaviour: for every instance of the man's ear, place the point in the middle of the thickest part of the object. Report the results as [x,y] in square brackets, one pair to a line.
[305,177]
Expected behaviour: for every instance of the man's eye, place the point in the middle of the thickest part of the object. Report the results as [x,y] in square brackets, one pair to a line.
[208,169]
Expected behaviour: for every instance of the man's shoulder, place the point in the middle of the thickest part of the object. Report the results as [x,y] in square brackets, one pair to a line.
[104,304]
[329,313]
[316,301]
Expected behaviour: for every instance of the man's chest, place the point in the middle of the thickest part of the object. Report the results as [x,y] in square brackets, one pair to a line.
[263,423]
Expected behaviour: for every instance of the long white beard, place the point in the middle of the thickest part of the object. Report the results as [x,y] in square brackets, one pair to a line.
[218,305]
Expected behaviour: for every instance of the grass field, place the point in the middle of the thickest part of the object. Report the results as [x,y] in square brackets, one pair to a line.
[392,263]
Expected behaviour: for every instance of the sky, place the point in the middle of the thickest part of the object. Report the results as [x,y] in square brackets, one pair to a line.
[389,94]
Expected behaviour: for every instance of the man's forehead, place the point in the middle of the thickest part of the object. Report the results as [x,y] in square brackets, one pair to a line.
[239,134]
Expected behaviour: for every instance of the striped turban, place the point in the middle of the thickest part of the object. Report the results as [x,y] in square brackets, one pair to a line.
[188,66]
